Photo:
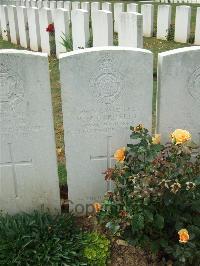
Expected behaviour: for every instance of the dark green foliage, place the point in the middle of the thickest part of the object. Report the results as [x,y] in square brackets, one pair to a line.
[40,239]
[67,42]
[171,32]
[157,193]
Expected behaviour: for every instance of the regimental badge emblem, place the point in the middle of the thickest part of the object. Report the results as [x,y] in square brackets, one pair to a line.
[11,89]
[107,83]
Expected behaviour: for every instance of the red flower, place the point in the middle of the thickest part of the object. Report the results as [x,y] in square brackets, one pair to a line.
[50,28]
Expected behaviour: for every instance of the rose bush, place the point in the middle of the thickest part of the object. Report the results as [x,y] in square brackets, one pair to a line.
[156,199]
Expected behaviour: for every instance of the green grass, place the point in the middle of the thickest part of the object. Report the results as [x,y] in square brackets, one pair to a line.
[39,239]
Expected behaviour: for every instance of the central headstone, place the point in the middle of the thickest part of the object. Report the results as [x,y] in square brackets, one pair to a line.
[104,92]
[28,169]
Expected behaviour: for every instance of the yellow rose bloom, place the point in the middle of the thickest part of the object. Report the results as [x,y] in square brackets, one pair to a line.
[183,236]
[97,206]
[180,136]
[120,155]
[156,139]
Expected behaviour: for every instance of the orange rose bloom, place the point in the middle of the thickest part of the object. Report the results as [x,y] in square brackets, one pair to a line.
[97,206]
[183,236]
[180,136]
[120,155]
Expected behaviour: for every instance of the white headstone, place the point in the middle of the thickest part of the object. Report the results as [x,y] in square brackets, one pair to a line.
[52,4]
[76,5]
[23,2]
[102,28]
[28,3]
[34,28]
[100,103]
[60,4]
[106,6]
[182,24]
[28,168]
[132,7]
[23,26]
[163,21]
[197,30]
[33,3]
[147,10]
[5,30]
[46,3]
[68,5]
[179,92]
[130,30]
[95,6]
[80,28]
[85,6]
[61,23]
[13,24]
[40,4]
[45,18]
[118,9]
[17,3]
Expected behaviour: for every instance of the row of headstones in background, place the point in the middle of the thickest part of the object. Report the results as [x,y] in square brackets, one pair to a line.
[182,23]
[164,22]
[129,26]
[113,90]
[178,1]
[28,26]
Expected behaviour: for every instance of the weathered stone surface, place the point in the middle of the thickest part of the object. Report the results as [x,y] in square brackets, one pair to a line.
[179,92]
[28,168]
[104,91]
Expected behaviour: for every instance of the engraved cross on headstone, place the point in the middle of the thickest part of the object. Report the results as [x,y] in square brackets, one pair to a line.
[108,157]
[13,163]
